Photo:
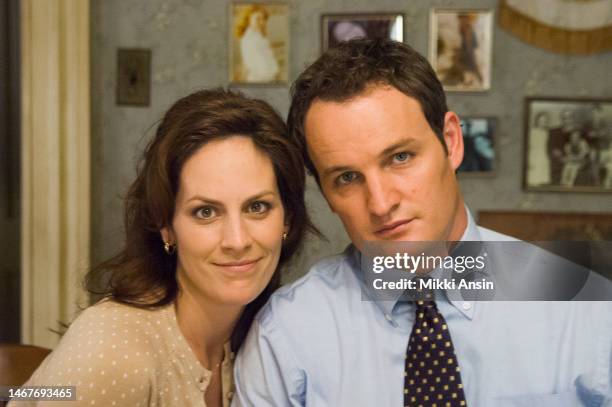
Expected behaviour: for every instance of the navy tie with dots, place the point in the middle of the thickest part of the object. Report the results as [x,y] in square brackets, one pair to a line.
[432,377]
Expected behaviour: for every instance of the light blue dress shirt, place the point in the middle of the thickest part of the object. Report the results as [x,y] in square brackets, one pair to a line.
[317,343]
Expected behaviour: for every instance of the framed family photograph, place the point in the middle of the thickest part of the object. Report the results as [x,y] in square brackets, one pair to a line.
[336,28]
[568,145]
[480,149]
[259,43]
[460,47]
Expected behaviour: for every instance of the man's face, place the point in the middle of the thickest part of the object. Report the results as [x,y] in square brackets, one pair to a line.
[568,120]
[383,170]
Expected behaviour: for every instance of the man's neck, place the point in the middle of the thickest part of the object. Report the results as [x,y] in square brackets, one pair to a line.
[460,222]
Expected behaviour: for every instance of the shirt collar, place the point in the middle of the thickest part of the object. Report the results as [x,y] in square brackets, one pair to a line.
[466,308]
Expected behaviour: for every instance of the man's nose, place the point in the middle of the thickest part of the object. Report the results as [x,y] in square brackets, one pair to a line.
[382,197]
[235,235]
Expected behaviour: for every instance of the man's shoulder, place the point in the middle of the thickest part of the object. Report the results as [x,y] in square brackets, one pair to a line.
[529,261]
[488,235]
[329,281]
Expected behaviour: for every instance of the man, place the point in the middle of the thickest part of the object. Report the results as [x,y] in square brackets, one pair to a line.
[557,139]
[372,122]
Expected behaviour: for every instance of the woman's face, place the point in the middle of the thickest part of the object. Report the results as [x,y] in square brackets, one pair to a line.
[542,121]
[260,21]
[228,222]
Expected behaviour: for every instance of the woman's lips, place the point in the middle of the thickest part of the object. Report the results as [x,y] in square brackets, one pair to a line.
[239,266]
[393,228]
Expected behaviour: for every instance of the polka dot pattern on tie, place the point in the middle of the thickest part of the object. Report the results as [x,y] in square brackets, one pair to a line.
[432,377]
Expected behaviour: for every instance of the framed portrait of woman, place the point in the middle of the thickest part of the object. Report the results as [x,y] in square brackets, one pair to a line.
[259,43]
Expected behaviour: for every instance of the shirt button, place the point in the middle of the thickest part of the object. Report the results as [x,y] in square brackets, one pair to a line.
[229,395]
[388,317]
[466,306]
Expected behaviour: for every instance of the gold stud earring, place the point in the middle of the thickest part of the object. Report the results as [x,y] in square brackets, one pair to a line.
[285,236]
[169,248]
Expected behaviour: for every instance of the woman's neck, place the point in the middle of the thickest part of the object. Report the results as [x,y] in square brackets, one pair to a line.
[206,326]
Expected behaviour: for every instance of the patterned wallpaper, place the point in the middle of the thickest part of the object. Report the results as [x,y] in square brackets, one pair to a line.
[189,39]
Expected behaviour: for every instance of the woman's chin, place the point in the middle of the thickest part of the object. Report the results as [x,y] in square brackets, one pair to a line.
[239,296]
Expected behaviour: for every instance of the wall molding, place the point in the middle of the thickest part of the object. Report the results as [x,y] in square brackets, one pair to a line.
[55,164]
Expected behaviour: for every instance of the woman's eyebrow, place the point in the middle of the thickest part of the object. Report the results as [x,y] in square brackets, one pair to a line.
[216,202]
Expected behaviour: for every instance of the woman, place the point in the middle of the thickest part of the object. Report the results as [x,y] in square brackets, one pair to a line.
[539,161]
[258,58]
[216,209]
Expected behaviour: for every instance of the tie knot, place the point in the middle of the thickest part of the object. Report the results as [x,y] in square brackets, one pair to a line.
[422,293]
[427,307]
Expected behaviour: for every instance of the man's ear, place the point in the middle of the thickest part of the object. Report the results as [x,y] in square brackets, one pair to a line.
[453,137]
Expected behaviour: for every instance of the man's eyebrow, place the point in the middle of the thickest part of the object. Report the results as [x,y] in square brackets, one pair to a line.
[403,143]
[336,168]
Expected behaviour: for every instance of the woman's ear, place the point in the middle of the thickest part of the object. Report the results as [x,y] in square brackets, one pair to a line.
[453,137]
[167,235]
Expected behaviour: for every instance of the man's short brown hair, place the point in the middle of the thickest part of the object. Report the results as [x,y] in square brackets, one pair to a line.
[346,71]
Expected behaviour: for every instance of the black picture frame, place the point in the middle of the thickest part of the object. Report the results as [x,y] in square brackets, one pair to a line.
[568,144]
[480,157]
[336,27]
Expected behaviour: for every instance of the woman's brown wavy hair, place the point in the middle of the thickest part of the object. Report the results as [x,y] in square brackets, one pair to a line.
[142,274]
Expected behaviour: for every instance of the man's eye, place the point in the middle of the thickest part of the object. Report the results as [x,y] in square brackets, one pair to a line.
[259,207]
[401,157]
[346,178]
[205,212]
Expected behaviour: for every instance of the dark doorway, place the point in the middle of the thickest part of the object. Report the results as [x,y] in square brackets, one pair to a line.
[10,102]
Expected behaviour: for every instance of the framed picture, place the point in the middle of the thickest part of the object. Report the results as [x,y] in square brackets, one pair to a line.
[259,43]
[480,149]
[133,77]
[460,47]
[568,145]
[336,28]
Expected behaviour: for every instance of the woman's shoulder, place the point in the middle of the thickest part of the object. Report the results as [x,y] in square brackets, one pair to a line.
[109,329]
[109,318]
[111,323]
[111,310]
[105,349]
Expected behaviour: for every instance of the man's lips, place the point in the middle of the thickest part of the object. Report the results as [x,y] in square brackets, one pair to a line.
[392,228]
[238,266]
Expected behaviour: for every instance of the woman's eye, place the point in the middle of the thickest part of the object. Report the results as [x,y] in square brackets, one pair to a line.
[205,212]
[401,157]
[259,207]
[346,178]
